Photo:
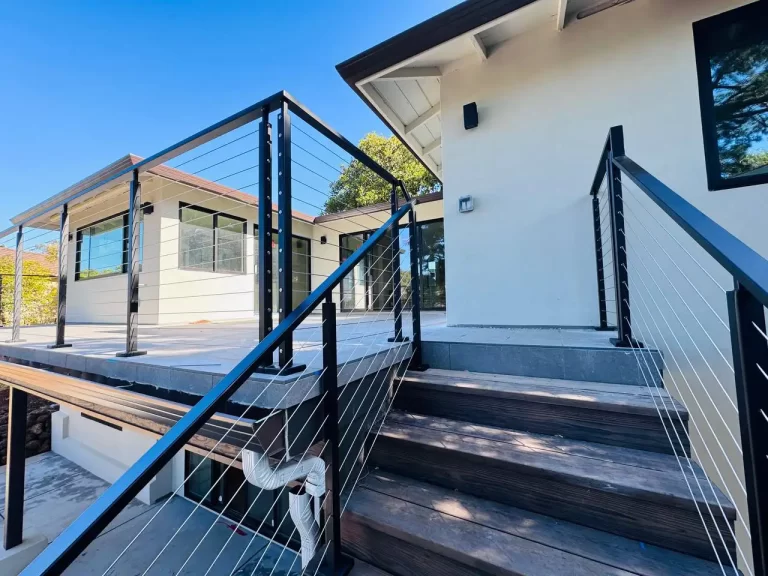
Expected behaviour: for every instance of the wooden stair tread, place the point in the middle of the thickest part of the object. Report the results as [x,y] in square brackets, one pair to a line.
[635,473]
[595,395]
[486,534]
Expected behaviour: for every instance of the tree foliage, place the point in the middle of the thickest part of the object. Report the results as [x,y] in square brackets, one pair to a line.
[39,289]
[740,90]
[358,186]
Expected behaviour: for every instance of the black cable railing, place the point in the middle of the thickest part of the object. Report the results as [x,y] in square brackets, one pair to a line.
[330,379]
[672,265]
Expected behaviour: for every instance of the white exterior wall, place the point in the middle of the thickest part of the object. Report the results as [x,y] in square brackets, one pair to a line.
[546,100]
[169,294]
[105,451]
[104,299]
[525,256]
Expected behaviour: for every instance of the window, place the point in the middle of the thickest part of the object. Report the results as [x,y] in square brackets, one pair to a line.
[210,241]
[732,63]
[102,247]
[302,269]
[369,285]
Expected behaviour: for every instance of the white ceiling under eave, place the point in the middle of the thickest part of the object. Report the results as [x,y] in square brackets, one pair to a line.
[408,93]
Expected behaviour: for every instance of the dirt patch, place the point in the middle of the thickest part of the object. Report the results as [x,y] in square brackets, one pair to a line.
[38,424]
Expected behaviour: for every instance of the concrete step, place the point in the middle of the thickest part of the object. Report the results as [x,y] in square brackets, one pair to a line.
[615,414]
[632,493]
[567,362]
[413,528]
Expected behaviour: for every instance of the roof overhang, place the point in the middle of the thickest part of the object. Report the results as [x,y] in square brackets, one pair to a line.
[400,79]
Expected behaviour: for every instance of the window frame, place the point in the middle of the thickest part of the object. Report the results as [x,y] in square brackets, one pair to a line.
[366,234]
[293,237]
[702,30]
[79,243]
[215,214]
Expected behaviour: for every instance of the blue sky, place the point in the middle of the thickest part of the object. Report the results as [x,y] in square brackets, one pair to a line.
[85,82]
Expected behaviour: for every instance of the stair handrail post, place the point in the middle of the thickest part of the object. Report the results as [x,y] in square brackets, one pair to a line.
[133,264]
[618,239]
[599,261]
[285,236]
[61,308]
[414,239]
[18,271]
[397,304]
[264,257]
[750,351]
[337,563]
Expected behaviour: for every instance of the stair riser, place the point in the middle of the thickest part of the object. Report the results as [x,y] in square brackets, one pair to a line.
[614,365]
[401,557]
[556,495]
[642,432]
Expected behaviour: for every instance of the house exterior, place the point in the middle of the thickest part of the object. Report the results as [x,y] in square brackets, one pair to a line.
[548,77]
[583,422]
[198,248]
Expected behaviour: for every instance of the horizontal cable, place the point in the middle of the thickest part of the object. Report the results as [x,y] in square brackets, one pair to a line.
[685,303]
[214,149]
[690,390]
[703,269]
[725,325]
[703,386]
[690,466]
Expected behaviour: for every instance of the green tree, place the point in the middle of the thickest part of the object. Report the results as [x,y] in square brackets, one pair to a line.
[39,289]
[740,91]
[358,186]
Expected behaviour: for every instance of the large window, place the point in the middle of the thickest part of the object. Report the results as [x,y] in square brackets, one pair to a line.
[302,269]
[732,63]
[211,241]
[102,247]
[369,285]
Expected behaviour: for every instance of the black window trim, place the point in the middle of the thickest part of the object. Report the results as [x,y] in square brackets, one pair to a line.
[79,242]
[215,214]
[701,30]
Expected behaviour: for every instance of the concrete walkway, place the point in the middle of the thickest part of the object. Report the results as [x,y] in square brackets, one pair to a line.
[58,491]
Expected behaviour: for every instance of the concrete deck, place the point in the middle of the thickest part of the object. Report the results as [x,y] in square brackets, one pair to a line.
[58,491]
[193,358]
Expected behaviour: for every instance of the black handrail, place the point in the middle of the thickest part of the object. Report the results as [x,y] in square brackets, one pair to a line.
[76,537]
[746,313]
[249,114]
[744,264]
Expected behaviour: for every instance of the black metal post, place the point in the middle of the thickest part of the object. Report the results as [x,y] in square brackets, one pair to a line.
[285,235]
[337,563]
[599,260]
[265,226]
[61,310]
[18,273]
[414,239]
[134,223]
[621,277]
[397,304]
[750,350]
[13,518]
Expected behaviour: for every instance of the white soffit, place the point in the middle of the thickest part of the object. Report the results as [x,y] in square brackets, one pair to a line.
[408,94]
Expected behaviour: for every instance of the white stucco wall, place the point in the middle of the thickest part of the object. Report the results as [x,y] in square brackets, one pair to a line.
[106,451]
[546,99]
[525,256]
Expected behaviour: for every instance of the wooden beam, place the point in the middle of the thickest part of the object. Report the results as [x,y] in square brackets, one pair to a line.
[422,119]
[432,146]
[561,8]
[413,73]
[479,47]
